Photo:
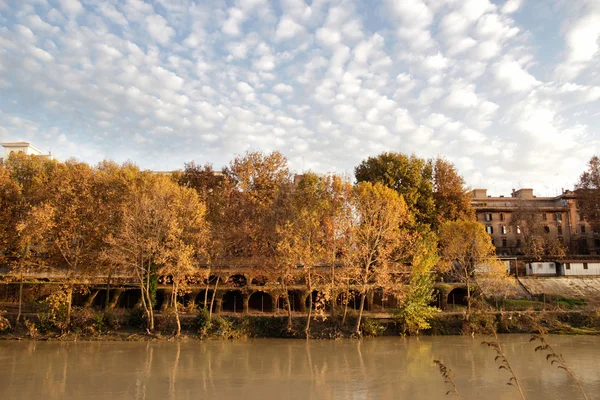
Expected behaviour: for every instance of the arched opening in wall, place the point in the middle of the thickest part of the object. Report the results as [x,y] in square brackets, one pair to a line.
[457,297]
[383,300]
[237,280]
[260,301]
[79,298]
[259,280]
[233,301]
[161,298]
[319,302]
[129,298]
[202,296]
[212,280]
[294,298]
[351,297]
[184,300]
[100,299]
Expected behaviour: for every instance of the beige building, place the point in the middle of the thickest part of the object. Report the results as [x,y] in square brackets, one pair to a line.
[558,215]
[23,147]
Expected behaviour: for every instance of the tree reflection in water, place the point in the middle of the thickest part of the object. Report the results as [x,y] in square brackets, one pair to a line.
[387,368]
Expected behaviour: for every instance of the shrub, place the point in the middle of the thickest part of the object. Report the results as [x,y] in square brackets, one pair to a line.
[4,322]
[372,328]
[136,318]
[32,329]
[166,322]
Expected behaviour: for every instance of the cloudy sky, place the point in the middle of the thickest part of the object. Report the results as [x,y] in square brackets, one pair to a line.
[508,90]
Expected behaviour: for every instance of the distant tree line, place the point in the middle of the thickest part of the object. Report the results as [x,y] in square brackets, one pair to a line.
[403,220]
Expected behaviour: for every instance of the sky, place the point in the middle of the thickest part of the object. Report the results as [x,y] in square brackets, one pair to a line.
[507,90]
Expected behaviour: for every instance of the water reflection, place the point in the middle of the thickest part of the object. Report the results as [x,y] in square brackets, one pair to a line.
[388,368]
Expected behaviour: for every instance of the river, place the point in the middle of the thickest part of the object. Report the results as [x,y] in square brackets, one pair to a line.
[382,368]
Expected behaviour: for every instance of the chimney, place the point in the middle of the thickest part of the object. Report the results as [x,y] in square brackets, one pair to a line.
[523,194]
[479,193]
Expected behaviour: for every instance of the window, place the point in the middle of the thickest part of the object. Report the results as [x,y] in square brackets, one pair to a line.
[488,216]
[504,242]
[547,229]
[489,229]
[582,228]
[597,242]
[544,216]
[580,217]
[518,229]
[493,244]
[558,217]
[585,265]
[518,242]
[559,227]
[503,229]
[501,217]
[568,265]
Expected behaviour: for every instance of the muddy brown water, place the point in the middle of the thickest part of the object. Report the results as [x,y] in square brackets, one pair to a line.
[382,368]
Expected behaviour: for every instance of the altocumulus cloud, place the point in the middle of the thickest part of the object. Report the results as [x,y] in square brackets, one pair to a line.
[509,90]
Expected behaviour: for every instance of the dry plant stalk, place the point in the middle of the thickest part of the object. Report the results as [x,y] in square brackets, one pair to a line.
[555,358]
[448,376]
[504,364]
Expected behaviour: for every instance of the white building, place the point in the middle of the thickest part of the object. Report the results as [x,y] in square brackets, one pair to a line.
[541,268]
[580,268]
[23,147]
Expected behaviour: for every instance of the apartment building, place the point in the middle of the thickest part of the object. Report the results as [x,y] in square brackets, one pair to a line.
[558,216]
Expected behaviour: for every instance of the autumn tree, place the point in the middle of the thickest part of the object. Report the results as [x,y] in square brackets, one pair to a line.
[588,193]
[74,232]
[143,234]
[534,234]
[337,225]
[467,250]
[186,243]
[257,182]
[450,195]
[303,236]
[111,187]
[218,192]
[24,182]
[380,238]
[32,234]
[10,197]
[409,176]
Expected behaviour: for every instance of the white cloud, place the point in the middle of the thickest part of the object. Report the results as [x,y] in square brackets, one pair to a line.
[462,97]
[71,7]
[159,29]
[582,44]
[288,28]
[282,88]
[110,12]
[515,78]
[511,6]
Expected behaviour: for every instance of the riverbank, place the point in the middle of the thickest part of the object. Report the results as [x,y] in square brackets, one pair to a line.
[129,326]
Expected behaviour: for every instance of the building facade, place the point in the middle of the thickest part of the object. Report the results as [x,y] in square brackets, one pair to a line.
[23,147]
[558,217]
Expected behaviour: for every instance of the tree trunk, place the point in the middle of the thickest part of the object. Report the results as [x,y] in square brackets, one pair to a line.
[149,306]
[289,309]
[20,295]
[69,303]
[212,301]
[468,316]
[107,302]
[175,308]
[346,303]
[310,305]
[360,312]
[333,299]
